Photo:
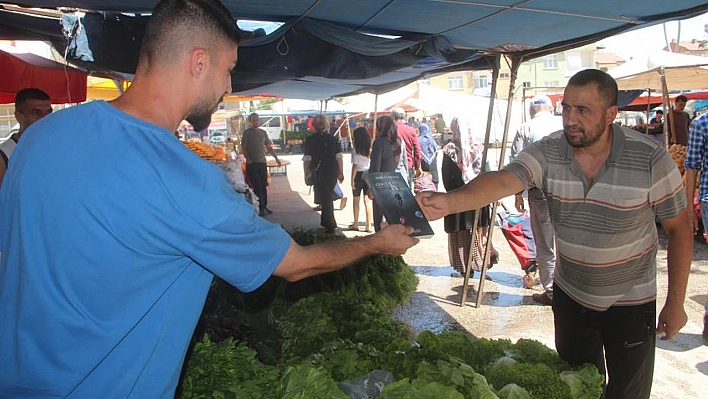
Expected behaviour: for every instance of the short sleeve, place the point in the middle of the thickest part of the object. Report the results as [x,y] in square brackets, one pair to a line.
[529,166]
[667,195]
[696,145]
[243,249]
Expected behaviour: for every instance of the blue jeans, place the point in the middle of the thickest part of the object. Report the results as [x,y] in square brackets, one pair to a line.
[704,218]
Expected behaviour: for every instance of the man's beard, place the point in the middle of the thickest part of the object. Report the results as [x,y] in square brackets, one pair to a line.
[588,137]
[200,118]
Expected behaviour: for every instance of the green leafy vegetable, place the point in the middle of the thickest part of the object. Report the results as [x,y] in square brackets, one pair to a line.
[539,380]
[305,381]
[419,389]
[513,391]
[584,383]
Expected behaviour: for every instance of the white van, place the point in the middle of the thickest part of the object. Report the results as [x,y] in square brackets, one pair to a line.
[274,125]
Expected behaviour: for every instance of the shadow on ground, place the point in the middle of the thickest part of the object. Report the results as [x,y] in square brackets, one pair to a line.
[683,342]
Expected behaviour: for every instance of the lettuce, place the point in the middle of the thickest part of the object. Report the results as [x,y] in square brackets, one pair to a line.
[584,383]
[513,391]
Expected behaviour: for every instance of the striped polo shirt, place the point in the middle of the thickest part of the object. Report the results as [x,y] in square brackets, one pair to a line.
[606,237]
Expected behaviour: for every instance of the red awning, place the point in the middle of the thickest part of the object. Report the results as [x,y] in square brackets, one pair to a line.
[640,103]
[64,84]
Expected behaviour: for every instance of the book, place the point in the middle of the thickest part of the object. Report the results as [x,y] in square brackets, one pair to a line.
[394,196]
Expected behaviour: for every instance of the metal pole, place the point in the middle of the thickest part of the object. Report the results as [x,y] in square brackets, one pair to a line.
[646,127]
[515,63]
[376,110]
[487,135]
[669,135]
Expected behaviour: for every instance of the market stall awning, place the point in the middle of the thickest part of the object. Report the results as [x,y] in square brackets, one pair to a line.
[64,84]
[337,48]
[682,72]
[641,103]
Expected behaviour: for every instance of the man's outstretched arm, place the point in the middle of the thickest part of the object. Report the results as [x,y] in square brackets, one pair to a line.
[486,188]
[301,262]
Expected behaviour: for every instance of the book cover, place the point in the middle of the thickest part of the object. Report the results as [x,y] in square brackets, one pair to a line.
[396,200]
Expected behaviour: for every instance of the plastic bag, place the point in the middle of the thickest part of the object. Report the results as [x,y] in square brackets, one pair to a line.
[368,386]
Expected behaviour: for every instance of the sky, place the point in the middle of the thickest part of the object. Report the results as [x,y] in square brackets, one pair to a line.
[645,40]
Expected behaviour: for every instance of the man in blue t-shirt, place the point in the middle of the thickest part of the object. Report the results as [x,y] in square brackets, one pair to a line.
[107,256]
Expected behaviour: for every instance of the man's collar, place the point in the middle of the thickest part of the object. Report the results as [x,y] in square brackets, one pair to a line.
[618,140]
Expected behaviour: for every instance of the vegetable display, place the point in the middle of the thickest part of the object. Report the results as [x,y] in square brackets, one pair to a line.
[332,336]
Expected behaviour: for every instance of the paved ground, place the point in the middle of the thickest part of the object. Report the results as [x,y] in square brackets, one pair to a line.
[507,310]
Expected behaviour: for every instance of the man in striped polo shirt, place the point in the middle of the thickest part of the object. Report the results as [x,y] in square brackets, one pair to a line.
[605,186]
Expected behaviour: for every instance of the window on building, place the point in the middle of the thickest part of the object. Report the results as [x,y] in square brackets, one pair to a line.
[481,81]
[455,83]
[552,83]
[504,75]
[526,84]
[424,82]
[7,120]
[550,62]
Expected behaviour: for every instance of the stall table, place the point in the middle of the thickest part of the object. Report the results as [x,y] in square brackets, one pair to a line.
[274,169]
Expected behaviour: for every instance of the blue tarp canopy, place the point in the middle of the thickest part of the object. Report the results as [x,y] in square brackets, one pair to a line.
[325,47]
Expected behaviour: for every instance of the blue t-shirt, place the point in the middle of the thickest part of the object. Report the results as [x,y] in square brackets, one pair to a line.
[110,230]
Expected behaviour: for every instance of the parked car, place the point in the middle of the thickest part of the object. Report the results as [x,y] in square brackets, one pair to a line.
[217,137]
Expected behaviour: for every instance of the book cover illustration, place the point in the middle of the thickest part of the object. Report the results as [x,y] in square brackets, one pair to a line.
[396,200]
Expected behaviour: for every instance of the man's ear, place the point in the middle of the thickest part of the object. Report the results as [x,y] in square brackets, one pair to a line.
[611,114]
[198,62]
[19,117]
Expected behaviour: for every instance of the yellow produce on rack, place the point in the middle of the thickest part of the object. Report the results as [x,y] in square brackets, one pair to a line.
[207,152]
[678,154]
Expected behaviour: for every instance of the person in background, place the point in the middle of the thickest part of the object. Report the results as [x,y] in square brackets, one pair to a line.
[360,165]
[696,154]
[323,156]
[414,156]
[606,186]
[254,144]
[386,153]
[429,148]
[656,126]
[31,105]
[344,133]
[640,121]
[440,126]
[108,255]
[681,120]
[461,163]
[541,124]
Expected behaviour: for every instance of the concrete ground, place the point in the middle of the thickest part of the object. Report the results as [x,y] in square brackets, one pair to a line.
[507,310]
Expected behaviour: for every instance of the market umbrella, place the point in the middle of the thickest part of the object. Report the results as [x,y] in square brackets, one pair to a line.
[63,83]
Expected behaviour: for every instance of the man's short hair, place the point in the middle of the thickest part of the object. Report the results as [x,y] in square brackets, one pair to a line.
[658,111]
[175,24]
[253,115]
[681,98]
[30,93]
[605,83]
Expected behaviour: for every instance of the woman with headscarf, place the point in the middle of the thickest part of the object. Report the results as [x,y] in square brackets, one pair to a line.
[429,148]
[385,156]
[323,159]
[462,162]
